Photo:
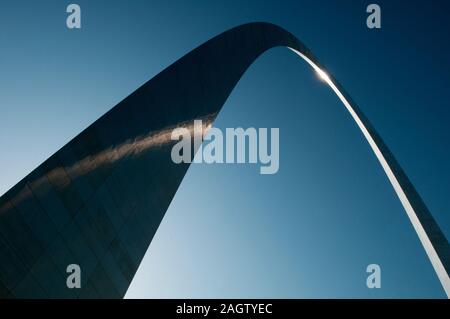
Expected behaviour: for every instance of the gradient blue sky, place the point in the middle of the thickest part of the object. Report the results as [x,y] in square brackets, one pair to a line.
[311,229]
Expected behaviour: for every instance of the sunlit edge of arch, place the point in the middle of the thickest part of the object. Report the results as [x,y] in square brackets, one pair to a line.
[423,237]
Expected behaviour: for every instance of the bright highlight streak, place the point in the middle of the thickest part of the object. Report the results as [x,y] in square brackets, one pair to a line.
[421,233]
[323,75]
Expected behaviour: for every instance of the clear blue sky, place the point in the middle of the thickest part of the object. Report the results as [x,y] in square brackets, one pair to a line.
[311,229]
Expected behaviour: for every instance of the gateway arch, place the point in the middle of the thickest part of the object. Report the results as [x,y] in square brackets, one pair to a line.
[98,201]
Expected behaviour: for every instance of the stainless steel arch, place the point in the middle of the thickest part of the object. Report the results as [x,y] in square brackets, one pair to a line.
[430,235]
[99,200]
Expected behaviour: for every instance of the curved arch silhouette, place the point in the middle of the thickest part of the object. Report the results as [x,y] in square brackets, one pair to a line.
[98,201]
